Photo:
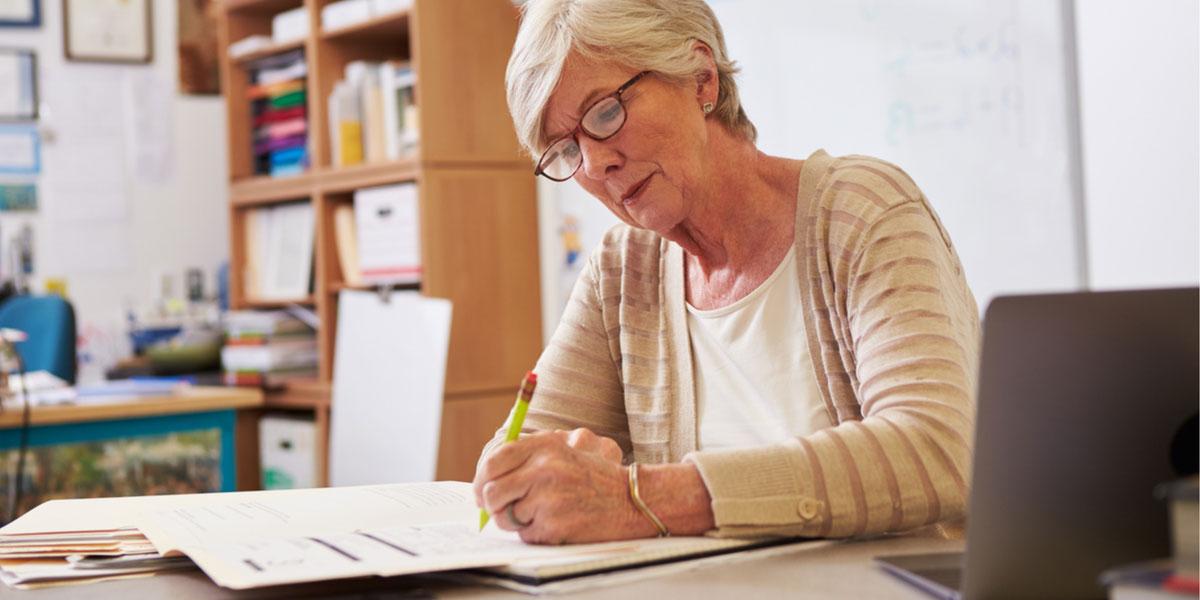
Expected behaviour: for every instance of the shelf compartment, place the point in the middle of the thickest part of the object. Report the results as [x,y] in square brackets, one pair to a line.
[348,179]
[384,28]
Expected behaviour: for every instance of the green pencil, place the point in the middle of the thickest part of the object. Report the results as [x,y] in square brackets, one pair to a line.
[516,420]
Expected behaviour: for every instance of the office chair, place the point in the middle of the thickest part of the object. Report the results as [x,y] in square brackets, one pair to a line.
[49,321]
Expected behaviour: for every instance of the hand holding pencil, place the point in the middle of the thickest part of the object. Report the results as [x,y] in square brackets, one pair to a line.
[516,420]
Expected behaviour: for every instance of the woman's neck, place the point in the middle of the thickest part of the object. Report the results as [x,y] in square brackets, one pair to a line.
[745,212]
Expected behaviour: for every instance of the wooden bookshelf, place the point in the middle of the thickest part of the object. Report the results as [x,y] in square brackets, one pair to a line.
[478,210]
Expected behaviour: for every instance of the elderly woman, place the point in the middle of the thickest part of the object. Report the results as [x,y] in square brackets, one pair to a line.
[767,346]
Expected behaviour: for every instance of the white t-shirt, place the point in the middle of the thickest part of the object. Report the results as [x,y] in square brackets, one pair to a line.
[754,375]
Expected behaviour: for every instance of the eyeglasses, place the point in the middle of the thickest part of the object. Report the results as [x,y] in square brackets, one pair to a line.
[602,120]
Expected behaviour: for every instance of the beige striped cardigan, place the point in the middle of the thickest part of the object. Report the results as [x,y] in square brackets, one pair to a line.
[893,332]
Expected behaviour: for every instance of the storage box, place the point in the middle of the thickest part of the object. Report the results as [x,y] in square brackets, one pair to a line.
[289,25]
[287,451]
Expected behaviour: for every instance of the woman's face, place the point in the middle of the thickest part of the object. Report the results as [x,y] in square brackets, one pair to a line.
[648,171]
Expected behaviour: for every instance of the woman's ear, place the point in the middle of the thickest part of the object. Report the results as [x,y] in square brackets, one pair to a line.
[707,87]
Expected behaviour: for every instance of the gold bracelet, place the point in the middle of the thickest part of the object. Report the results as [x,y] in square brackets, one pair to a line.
[637,501]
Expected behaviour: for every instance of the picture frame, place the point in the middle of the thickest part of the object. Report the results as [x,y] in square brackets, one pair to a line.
[20,150]
[108,31]
[20,13]
[18,85]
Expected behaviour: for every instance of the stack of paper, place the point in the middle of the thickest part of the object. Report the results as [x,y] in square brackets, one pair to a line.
[38,559]
[252,539]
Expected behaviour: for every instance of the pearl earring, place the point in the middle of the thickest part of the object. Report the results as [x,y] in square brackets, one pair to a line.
[707,108]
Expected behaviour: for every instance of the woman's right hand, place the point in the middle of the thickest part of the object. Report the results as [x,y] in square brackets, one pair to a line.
[587,441]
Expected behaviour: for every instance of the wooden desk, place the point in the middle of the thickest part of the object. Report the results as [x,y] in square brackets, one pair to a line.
[842,570]
[107,418]
[101,408]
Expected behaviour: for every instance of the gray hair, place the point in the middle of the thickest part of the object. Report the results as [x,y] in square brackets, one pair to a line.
[646,35]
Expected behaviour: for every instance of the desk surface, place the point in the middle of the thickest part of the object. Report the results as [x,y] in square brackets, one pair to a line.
[188,399]
[840,570]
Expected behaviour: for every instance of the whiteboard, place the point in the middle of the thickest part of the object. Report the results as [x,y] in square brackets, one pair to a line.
[972,98]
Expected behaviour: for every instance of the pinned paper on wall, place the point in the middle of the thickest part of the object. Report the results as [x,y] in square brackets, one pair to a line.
[388,381]
[151,120]
[88,153]
[20,150]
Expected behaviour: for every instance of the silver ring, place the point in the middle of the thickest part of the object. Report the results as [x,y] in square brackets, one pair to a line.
[513,517]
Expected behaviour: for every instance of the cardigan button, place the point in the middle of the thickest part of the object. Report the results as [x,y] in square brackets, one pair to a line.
[807,508]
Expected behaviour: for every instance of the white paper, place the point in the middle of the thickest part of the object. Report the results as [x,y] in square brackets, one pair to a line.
[251,539]
[389,240]
[19,149]
[151,120]
[88,154]
[288,251]
[16,10]
[388,380]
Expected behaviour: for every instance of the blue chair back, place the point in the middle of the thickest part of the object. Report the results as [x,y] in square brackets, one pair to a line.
[49,321]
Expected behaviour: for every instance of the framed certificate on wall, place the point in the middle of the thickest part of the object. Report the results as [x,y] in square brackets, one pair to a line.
[108,31]
[18,85]
[20,13]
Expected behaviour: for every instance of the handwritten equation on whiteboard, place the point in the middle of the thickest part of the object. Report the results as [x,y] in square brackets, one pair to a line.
[963,75]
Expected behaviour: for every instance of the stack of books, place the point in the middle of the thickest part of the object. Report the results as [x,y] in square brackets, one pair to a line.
[373,113]
[348,13]
[267,349]
[278,98]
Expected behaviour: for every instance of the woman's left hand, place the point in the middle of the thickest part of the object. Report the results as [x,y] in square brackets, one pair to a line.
[564,487]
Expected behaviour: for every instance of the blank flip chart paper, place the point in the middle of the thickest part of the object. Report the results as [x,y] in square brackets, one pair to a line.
[388,380]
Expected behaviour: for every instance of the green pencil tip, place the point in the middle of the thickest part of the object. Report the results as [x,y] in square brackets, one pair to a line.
[483,519]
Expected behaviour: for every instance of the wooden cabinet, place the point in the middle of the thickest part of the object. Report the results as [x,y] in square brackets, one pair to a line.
[478,210]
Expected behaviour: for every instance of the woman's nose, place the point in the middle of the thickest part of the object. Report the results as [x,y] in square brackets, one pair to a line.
[599,157]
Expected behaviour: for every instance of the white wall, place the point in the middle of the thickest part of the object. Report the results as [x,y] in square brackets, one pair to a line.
[114,260]
[1139,71]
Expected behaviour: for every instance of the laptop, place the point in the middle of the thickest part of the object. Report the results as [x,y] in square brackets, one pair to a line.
[1086,402]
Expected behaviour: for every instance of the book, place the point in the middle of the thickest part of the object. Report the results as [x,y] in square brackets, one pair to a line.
[398,84]
[247,540]
[274,356]
[262,324]
[346,239]
[374,133]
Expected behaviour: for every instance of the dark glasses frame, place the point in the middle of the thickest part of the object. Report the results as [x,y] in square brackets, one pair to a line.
[539,170]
